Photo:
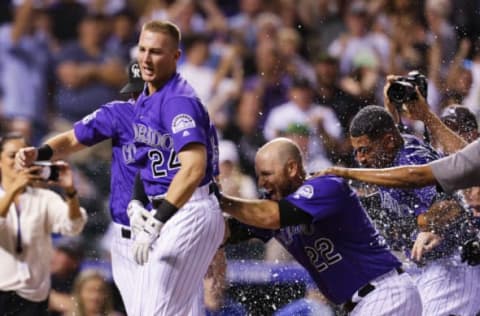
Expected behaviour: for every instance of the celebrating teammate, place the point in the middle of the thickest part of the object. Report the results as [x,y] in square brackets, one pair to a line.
[322,224]
[111,121]
[378,143]
[177,154]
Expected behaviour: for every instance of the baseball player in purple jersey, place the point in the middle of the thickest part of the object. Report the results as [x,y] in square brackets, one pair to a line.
[111,121]
[177,155]
[446,286]
[321,223]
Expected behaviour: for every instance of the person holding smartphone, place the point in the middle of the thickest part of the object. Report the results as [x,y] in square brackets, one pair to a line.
[29,214]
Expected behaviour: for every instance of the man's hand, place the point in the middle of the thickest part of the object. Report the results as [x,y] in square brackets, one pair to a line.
[471,252]
[336,171]
[417,109]
[25,157]
[138,216]
[145,239]
[425,242]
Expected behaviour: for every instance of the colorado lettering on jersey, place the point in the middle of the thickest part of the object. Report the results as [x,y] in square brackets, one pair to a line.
[288,233]
[147,135]
[128,153]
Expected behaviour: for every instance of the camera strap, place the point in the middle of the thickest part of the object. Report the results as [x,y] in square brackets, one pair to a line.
[18,247]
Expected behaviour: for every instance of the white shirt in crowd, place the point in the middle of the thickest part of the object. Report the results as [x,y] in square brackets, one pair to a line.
[41,212]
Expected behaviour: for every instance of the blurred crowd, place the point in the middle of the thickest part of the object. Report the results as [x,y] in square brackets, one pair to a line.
[295,68]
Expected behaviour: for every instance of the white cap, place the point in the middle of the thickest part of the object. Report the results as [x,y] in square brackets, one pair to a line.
[227,151]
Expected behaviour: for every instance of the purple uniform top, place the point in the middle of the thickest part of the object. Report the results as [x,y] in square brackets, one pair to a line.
[165,122]
[113,121]
[341,249]
[404,205]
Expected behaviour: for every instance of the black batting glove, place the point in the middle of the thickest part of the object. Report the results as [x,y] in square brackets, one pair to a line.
[471,252]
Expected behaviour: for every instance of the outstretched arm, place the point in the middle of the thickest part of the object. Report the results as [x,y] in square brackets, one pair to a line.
[57,147]
[257,213]
[403,177]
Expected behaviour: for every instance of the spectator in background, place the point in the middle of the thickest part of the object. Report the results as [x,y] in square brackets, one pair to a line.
[243,23]
[302,135]
[245,132]
[217,302]
[330,94]
[92,295]
[124,35]
[25,56]
[301,109]
[358,41]
[66,17]
[65,266]
[289,43]
[211,84]
[271,82]
[28,217]
[460,120]
[88,74]
[232,180]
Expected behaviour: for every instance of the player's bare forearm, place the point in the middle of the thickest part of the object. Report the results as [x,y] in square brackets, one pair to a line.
[448,139]
[401,177]
[64,144]
[257,213]
[193,160]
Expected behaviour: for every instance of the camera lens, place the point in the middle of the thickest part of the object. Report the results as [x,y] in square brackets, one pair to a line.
[396,92]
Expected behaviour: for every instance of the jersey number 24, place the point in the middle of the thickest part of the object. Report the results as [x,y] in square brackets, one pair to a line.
[160,165]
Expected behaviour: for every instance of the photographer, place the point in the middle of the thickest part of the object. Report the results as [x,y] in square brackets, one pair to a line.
[28,216]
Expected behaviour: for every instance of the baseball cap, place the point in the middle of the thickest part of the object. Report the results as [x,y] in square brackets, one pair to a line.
[297,129]
[459,118]
[301,82]
[135,82]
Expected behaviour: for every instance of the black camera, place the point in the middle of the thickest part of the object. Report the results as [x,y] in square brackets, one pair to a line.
[403,88]
[49,171]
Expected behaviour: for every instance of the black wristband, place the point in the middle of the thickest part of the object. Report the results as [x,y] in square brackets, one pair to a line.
[45,152]
[165,211]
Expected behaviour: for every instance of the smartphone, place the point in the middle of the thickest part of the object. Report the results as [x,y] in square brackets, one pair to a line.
[49,171]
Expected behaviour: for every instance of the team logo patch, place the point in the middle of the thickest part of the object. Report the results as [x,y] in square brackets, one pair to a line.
[182,122]
[305,191]
[135,70]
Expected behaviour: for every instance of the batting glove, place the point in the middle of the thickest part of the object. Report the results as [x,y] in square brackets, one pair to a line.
[145,239]
[138,215]
[471,252]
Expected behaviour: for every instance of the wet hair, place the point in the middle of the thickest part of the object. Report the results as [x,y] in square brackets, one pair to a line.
[9,136]
[165,27]
[372,121]
[459,119]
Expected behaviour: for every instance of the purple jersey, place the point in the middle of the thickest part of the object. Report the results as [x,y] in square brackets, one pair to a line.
[341,249]
[165,122]
[113,121]
[404,205]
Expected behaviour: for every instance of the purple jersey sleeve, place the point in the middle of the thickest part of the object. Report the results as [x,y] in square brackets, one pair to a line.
[328,192]
[98,125]
[184,119]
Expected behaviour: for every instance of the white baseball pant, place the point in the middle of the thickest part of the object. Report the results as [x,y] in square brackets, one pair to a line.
[171,281]
[124,269]
[394,295]
[448,287]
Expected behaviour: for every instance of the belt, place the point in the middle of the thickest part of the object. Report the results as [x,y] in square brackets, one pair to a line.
[126,233]
[364,291]
[212,187]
